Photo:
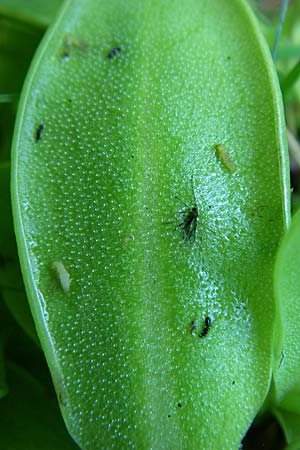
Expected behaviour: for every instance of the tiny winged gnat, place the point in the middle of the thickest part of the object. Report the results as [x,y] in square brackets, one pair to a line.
[189,219]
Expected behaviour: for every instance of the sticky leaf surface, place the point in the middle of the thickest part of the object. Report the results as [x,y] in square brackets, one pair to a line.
[158,325]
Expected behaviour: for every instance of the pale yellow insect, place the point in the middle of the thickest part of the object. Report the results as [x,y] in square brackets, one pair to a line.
[223,156]
[62,275]
[71,43]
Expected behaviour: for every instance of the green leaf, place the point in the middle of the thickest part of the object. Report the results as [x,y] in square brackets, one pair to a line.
[18,42]
[3,384]
[10,276]
[294,446]
[18,306]
[7,98]
[29,417]
[287,356]
[11,283]
[147,262]
[290,425]
[291,78]
[3,333]
[37,12]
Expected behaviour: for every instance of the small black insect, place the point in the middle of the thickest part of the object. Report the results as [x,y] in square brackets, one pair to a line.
[189,223]
[206,328]
[189,220]
[38,133]
[114,52]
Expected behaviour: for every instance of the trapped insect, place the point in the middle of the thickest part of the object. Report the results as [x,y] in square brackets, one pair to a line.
[72,43]
[189,221]
[38,133]
[206,327]
[223,156]
[114,52]
[62,275]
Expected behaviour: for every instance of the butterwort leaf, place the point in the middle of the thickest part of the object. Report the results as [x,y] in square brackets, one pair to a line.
[163,336]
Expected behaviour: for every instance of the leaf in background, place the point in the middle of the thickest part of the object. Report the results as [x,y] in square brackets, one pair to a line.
[148,264]
[287,357]
[29,419]
[3,334]
[11,283]
[18,42]
[37,12]
[3,384]
[290,424]
[8,333]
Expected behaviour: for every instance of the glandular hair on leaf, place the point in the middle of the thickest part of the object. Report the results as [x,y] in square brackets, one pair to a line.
[62,275]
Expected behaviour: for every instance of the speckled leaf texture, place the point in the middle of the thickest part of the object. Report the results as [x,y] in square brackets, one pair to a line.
[147,256]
